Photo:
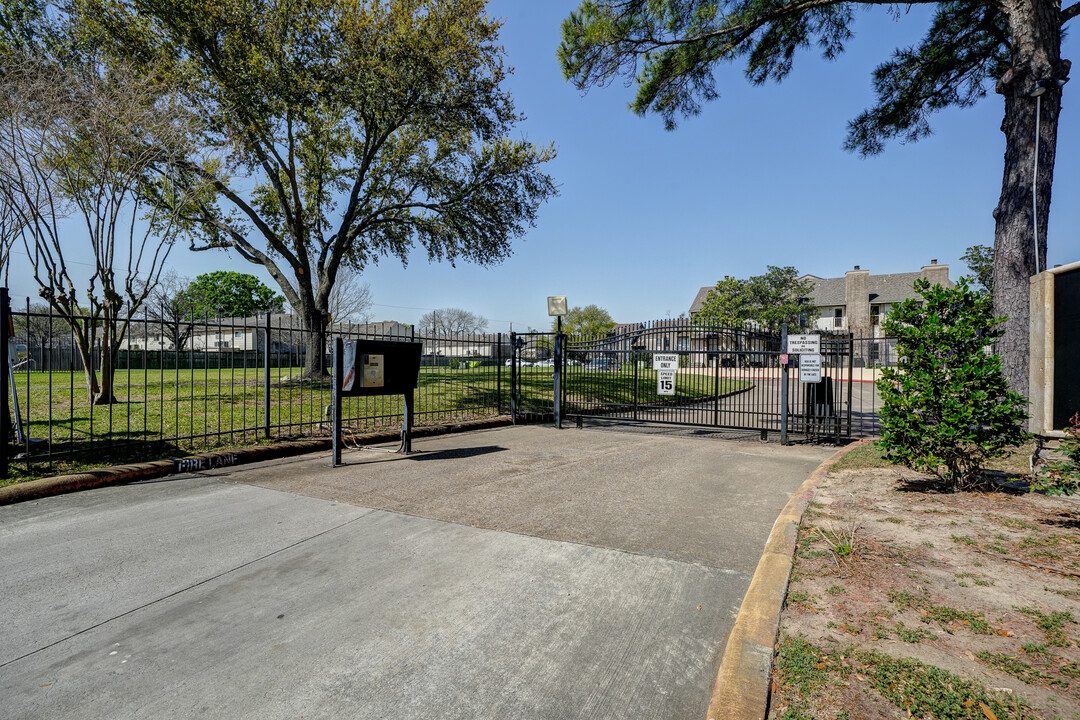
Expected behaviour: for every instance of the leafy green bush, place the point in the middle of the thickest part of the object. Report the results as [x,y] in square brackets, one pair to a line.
[1063,477]
[946,407]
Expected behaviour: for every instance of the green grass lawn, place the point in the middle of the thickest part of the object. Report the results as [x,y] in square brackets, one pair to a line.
[163,413]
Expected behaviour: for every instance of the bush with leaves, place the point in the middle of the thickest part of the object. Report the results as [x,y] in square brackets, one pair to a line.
[946,407]
[1063,477]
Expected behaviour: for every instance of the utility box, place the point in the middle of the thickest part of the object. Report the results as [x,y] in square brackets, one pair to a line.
[371,371]
[379,367]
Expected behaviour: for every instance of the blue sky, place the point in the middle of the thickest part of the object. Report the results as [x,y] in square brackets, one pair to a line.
[646,216]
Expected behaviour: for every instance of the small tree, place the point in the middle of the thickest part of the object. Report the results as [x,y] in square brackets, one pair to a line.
[170,306]
[946,406]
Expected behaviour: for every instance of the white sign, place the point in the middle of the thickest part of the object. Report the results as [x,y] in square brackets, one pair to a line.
[665,382]
[809,368]
[665,362]
[804,344]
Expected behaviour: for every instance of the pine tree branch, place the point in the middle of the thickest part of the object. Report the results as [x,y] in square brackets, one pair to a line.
[1070,12]
[745,29]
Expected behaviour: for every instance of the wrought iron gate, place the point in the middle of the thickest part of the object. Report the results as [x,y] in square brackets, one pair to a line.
[723,378]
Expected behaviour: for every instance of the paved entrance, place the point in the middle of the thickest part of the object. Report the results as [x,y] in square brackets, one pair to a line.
[523,572]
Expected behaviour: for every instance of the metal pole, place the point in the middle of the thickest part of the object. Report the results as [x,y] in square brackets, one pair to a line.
[498,374]
[634,363]
[1035,184]
[335,442]
[513,377]
[406,424]
[558,373]
[850,378]
[5,413]
[266,375]
[784,387]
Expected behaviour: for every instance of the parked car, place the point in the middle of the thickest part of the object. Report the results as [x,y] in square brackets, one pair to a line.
[545,363]
[602,363]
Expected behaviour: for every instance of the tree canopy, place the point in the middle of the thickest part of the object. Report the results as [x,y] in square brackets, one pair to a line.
[336,132]
[591,320]
[767,301]
[671,48]
[228,294]
[980,260]
[446,322]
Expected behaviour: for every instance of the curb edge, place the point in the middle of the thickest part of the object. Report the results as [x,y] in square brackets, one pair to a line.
[741,690]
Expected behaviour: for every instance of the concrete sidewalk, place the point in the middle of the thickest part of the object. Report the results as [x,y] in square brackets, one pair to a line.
[517,572]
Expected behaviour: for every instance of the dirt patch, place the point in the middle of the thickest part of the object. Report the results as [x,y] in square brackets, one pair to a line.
[908,602]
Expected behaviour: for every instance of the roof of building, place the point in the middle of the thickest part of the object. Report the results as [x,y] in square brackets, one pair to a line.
[889,288]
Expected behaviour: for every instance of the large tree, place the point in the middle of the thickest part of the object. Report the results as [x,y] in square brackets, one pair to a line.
[768,301]
[671,47]
[446,322]
[338,132]
[229,294]
[591,320]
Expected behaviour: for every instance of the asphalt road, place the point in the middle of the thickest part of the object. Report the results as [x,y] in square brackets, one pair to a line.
[522,572]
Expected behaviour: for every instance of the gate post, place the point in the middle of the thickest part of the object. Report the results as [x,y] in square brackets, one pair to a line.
[558,375]
[335,442]
[850,378]
[266,374]
[513,377]
[784,387]
[5,412]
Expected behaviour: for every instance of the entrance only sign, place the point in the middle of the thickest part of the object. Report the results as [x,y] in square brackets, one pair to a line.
[665,361]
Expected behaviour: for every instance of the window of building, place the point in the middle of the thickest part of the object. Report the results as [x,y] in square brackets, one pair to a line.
[838,317]
[875,314]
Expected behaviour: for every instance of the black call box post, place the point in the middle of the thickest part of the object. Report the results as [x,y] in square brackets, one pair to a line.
[375,367]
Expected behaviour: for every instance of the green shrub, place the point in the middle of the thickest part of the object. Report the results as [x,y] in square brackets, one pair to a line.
[1063,477]
[946,407]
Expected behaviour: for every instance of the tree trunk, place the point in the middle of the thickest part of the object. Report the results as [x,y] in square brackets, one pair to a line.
[105,394]
[1036,49]
[86,353]
[315,343]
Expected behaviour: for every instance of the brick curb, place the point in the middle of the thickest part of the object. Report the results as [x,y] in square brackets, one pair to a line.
[741,691]
[119,474]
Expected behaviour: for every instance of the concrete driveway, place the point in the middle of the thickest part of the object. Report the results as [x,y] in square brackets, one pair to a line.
[520,572]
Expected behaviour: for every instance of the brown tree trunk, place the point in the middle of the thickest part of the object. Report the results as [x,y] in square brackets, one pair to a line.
[86,353]
[1036,46]
[105,394]
[315,343]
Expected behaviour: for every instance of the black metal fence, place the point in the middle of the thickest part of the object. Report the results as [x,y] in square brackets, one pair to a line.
[231,382]
[724,378]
